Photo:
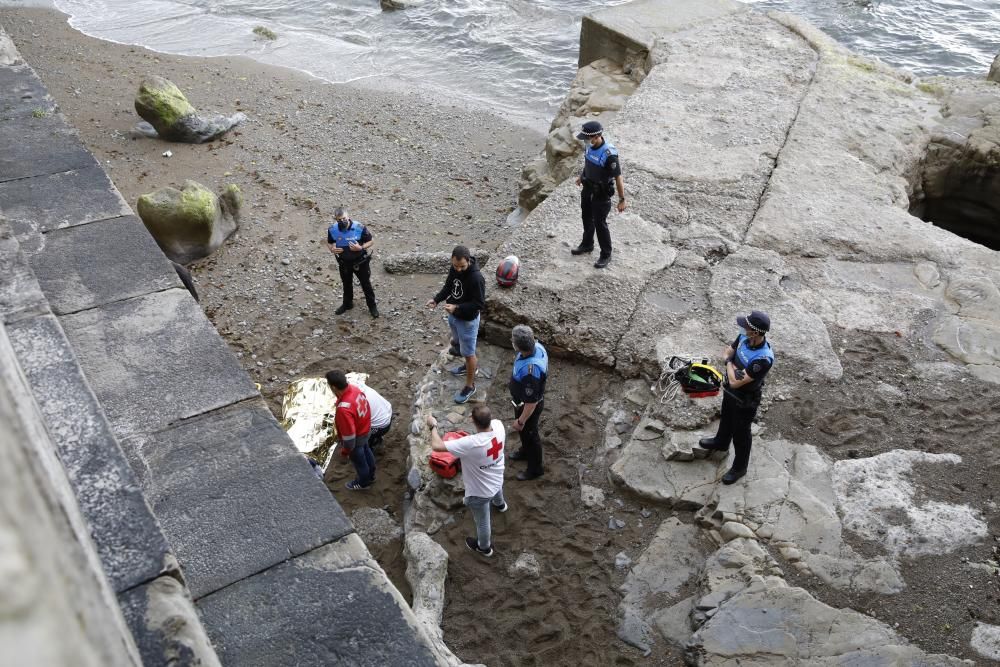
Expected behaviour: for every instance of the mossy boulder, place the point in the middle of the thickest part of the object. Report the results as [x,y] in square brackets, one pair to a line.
[170,116]
[162,104]
[192,222]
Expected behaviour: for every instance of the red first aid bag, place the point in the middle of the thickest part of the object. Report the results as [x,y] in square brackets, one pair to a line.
[447,464]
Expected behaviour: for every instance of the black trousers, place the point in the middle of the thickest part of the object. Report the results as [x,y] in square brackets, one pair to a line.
[595,204]
[531,442]
[363,271]
[734,426]
[376,434]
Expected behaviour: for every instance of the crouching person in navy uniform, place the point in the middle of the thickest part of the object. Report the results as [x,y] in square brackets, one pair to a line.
[527,391]
[350,241]
[482,460]
[601,176]
[748,359]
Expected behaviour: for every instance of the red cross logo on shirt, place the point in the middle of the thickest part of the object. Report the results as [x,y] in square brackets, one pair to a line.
[495,448]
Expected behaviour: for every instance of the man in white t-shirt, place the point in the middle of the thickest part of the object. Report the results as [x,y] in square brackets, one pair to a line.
[482,471]
[381,416]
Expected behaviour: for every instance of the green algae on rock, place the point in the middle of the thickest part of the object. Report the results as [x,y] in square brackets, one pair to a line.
[170,116]
[192,222]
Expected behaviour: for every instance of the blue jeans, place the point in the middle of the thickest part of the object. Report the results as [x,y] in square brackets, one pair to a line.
[481,515]
[465,332]
[363,460]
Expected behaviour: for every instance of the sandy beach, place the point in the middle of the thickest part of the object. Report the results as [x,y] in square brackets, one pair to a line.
[426,174]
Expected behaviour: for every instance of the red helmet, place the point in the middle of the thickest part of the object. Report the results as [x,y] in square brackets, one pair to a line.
[507,271]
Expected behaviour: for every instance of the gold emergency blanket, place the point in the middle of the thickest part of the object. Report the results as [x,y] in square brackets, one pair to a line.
[307,415]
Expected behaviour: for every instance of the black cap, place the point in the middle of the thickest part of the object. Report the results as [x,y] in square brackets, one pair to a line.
[590,129]
[756,321]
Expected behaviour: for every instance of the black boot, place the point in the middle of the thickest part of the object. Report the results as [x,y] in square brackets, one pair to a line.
[582,250]
[602,261]
[709,443]
[344,307]
[733,475]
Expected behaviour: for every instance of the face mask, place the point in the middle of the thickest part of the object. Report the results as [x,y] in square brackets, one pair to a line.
[343,224]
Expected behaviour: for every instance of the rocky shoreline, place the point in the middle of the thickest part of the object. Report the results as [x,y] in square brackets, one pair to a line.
[737,176]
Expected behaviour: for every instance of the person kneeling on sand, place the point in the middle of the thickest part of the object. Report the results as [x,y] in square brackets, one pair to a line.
[381,415]
[482,460]
[354,422]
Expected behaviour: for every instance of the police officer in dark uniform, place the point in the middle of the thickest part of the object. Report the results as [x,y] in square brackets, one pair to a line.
[748,359]
[601,176]
[350,241]
[527,391]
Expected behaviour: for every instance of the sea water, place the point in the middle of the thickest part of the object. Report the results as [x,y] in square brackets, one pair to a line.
[514,56]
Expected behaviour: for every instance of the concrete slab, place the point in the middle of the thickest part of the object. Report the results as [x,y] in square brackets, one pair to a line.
[92,265]
[129,542]
[610,32]
[20,294]
[31,146]
[24,94]
[233,495]
[74,197]
[332,606]
[165,625]
[155,360]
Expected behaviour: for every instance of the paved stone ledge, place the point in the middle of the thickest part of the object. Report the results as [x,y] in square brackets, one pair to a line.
[232,496]
[129,542]
[155,360]
[75,197]
[99,263]
[58,607]
[331,606]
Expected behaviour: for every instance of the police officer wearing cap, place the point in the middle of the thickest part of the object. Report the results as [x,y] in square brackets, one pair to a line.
[527,392]
[748,359]
[350,241]
[600,178]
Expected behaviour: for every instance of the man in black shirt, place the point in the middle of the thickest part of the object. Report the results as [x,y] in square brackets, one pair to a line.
[748,359]
[601,176]
[464,294]
[349,241]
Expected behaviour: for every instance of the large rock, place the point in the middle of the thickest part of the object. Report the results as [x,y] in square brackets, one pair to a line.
[598,91]
[788,495]
[877,499]
[192,222]
[169,115]
[770,623]
[683,485]
[426,571]
[393,5]
[674,556]
[986,640]
[994,74]
[420,261]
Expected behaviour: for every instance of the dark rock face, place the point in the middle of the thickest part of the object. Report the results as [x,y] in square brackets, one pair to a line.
[961,193]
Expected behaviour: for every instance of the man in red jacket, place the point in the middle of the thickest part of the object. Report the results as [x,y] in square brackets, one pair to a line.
[354,422]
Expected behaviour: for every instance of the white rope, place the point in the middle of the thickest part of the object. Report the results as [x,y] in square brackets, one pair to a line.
[667,386]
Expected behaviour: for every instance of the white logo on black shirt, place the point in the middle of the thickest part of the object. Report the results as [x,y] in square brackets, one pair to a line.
[457,290]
